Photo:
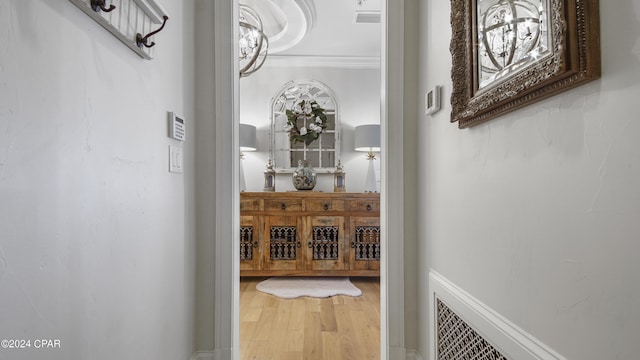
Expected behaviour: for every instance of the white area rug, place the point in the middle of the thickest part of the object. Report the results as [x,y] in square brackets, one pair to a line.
[321,287]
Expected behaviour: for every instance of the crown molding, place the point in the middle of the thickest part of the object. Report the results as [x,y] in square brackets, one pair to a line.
[345,62]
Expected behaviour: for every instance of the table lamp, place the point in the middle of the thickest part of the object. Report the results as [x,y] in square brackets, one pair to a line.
[247,143]
[367,139]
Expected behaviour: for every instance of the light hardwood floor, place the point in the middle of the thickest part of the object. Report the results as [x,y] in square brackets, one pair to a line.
[336,328]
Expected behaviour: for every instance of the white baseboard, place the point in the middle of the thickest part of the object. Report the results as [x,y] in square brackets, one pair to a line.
[202,355]
[397,353]
[222,354]
[414,355]
[512,341]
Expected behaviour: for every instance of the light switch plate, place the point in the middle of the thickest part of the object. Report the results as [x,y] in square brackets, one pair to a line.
[432,100]
[175,159]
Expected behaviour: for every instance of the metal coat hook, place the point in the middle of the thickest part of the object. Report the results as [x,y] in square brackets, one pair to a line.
[98,5]
[143,40]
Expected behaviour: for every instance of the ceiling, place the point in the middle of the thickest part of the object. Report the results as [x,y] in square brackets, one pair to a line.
[338,32]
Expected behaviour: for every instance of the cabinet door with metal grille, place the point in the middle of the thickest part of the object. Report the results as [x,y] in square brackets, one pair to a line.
[282,246]
[364,237]
[324,239]
[250,243]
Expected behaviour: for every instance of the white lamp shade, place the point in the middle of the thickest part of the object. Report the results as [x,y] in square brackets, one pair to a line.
[247,138]
[367,138]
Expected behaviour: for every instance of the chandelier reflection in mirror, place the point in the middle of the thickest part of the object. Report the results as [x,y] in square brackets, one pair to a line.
[511,34]
[253,43]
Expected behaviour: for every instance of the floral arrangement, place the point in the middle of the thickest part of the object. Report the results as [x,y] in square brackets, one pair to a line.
[309,112]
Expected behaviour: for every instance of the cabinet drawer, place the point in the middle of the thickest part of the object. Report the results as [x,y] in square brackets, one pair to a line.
[283,204]
[324,205]
[249,204]
[364,205]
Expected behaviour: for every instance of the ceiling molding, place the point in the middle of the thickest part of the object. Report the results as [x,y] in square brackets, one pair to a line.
[308,8]
[285,22]
[344,62]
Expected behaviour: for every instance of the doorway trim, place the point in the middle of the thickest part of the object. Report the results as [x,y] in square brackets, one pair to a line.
[227,189]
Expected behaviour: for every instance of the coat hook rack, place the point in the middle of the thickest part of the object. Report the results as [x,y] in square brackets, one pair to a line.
[143,40]
[98,5]
[129,21]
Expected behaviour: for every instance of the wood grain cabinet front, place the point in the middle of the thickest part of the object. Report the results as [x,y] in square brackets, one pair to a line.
[250,243]
[310,234]
[325,243]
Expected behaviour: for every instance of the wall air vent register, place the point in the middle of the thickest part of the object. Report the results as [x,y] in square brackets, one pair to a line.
[457,340]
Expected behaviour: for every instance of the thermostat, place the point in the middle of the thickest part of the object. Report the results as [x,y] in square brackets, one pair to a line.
[176,127]
[432,100]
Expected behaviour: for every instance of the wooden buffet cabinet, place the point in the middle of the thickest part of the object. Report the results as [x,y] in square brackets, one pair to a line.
[309,234]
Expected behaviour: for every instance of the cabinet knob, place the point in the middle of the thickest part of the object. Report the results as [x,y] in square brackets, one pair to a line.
[369,207]
[309,244]
[255,244]
[353,244]
[283,206]
[298,244]
[325,207]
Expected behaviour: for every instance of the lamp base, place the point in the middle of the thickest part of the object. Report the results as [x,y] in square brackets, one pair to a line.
[371,186]
[243,185]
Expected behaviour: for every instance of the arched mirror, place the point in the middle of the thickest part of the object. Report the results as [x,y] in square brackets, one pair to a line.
[304,126]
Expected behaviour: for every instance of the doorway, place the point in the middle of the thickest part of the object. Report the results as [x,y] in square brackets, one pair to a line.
[281,85]
[226,297]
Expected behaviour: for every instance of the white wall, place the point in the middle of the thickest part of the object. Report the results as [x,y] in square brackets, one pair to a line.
[97,238]
[536,213]
[358,97]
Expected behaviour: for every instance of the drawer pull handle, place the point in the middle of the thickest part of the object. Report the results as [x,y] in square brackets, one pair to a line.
[325,207]
[283,206]
[369,207]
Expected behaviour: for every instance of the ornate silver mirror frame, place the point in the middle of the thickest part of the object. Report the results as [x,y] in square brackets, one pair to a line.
[507,54]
